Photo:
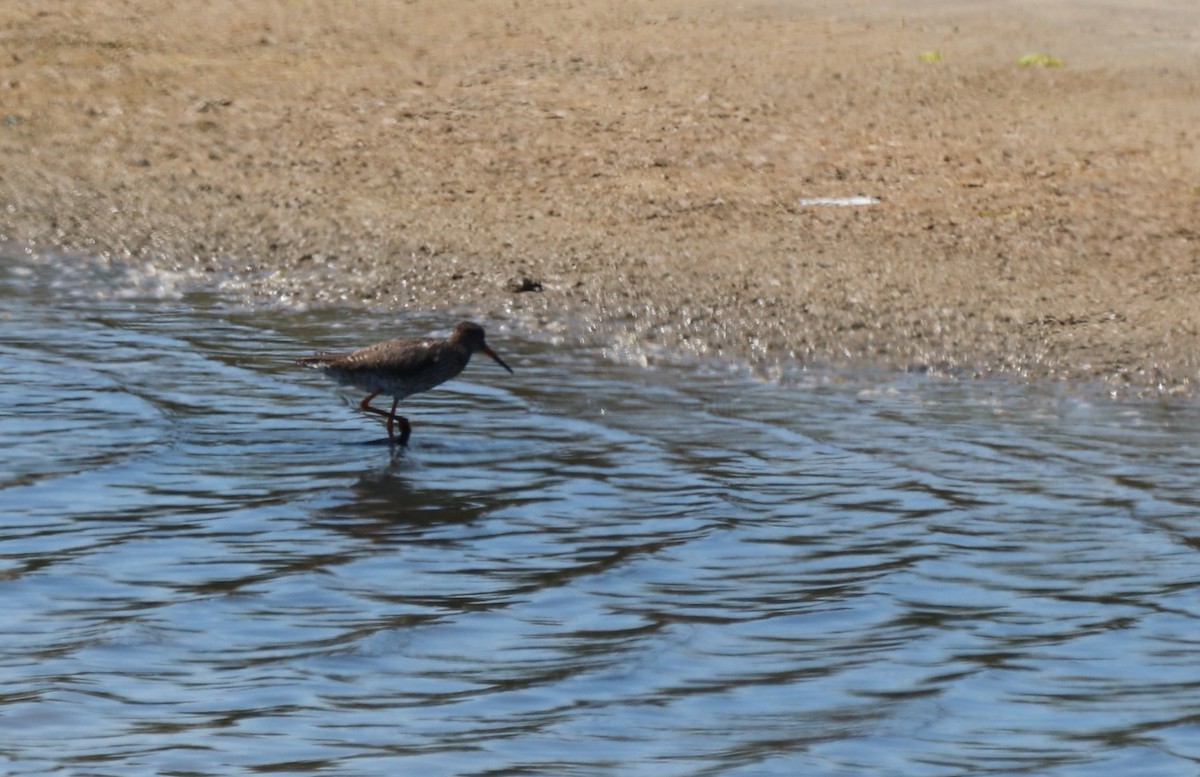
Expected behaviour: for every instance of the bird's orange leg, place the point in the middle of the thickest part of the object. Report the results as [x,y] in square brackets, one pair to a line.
[366,407]
[392,418]
[366,404]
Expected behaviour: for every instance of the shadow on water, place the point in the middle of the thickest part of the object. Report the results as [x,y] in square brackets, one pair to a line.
[586,567]
[393,503]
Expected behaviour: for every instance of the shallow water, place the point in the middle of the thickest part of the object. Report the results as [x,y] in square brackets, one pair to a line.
[210,565]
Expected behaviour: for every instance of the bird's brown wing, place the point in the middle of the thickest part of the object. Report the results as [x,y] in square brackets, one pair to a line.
[394,357]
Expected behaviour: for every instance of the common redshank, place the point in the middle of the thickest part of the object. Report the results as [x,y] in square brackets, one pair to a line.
[402,367]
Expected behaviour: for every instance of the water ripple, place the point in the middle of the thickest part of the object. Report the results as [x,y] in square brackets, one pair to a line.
[584,568]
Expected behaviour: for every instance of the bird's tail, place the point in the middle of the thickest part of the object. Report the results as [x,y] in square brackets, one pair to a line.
[317,360]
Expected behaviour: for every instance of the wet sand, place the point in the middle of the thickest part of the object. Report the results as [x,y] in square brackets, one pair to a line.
[646,173]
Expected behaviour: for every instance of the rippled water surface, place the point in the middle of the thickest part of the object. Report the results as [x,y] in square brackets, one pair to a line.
[210,565]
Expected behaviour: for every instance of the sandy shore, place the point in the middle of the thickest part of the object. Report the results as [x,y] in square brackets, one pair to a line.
[654,169]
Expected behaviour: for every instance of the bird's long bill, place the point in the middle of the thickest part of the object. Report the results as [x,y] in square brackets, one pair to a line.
[492,354]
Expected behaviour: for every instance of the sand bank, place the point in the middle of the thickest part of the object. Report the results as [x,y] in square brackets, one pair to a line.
[661,173]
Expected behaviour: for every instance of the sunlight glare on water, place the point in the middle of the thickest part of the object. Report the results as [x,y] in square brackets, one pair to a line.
[210,564]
